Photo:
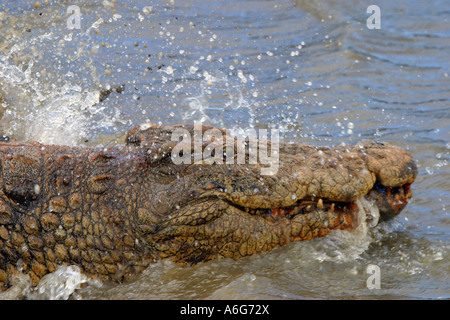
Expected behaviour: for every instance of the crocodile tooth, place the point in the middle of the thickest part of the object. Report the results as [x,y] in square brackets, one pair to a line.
[308,207]
[320,204]
[332,207]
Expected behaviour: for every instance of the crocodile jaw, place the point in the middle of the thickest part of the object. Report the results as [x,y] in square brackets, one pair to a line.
[201,235]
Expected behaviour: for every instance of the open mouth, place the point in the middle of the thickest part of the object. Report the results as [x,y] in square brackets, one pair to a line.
[389,201]
[243,230]
[305,218]
[303,206]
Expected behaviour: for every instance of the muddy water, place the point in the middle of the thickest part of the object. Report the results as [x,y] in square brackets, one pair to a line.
[309,68]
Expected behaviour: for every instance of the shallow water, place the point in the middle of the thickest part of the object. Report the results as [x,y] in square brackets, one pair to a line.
[309,68]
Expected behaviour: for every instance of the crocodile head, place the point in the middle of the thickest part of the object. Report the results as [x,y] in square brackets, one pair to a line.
[112,211]
[208,210]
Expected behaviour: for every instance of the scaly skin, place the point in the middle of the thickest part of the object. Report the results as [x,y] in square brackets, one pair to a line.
[112,211]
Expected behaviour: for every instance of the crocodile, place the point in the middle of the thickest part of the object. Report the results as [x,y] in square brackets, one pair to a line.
[114,210]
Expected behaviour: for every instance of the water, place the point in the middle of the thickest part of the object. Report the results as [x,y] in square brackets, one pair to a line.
[311,69]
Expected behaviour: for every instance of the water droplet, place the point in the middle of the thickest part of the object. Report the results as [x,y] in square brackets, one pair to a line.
[68,37]
[193,69]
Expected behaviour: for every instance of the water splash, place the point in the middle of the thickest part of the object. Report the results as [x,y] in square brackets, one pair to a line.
[215,86]
[42,98]
[59,115]
[62,284]
[342,246]
[21,286]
